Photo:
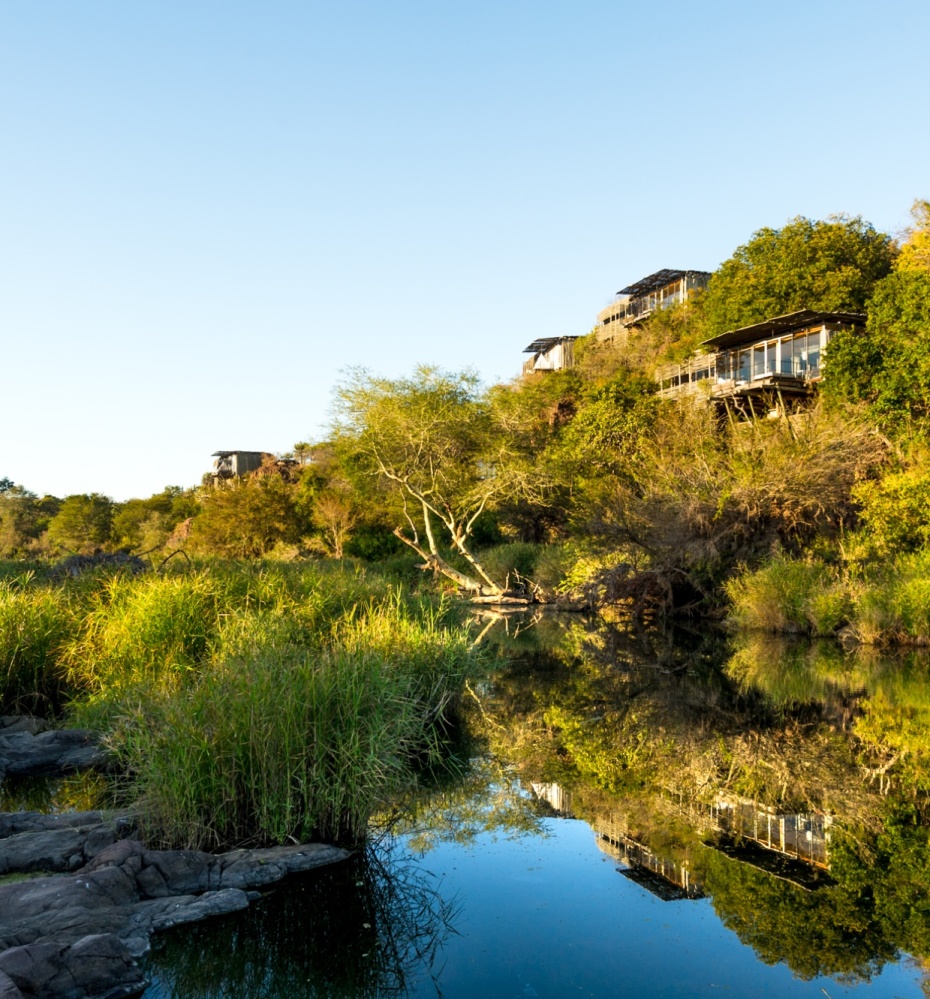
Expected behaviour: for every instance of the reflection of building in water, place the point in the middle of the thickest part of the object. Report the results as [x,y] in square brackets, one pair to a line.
[792,846]
[666,877]
[557,797]
[802,836]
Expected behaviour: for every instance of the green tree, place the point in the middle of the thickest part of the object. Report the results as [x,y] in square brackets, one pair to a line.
[82,523]
[889,366]
[435,441]
[915,251]
[831,265]
[24,518]
[303,452]
[143,524]
[247,518]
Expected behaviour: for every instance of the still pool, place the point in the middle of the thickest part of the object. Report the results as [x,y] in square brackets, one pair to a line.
[630,816]
[545,914]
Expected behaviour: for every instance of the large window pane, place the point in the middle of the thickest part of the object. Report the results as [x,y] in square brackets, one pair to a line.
[744,365]
[787,355]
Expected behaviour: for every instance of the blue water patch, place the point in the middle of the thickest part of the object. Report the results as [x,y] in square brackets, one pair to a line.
[528,917]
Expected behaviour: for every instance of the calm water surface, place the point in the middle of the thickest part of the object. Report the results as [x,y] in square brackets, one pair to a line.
[635,816]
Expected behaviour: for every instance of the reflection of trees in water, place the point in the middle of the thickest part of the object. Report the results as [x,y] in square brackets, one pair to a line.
[370,926]
[486,798]
[80,792]
[833,931]
[650,731]
[881,698]
[632,710]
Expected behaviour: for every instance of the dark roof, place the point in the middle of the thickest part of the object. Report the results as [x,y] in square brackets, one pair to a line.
[544,343]
[658,280]
[784,324]
[226,454]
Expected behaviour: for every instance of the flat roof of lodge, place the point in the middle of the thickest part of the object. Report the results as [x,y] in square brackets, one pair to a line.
[658,280]
[544,343]
[780,325]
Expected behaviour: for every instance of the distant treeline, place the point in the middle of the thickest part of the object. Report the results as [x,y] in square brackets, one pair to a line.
[583,482]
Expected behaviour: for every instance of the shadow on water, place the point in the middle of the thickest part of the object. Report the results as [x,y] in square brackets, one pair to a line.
[371,926]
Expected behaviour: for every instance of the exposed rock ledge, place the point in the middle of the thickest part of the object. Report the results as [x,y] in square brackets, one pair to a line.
[77,936]
[28,746]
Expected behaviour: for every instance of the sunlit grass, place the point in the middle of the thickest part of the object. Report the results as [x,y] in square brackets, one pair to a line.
[246,703]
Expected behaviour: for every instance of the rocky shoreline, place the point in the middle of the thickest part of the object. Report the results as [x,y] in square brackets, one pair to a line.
[76,930]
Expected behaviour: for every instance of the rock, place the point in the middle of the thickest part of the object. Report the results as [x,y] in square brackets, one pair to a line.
[158,914]
[8,989]
[121,561]
[96,965]
[22,723]
[70,936]
[50,751]
[33,842]
[32,967]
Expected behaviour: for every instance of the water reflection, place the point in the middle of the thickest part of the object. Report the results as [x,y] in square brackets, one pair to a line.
[372,926]
[81,792]
[743,768]
[784,783]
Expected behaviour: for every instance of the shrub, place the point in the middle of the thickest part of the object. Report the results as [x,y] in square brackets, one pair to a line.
[789,595]
[516,558]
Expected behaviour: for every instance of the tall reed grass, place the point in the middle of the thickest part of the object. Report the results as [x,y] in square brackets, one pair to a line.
[882,604]
[790,595]
[35,627]
[285,743]
[248,703]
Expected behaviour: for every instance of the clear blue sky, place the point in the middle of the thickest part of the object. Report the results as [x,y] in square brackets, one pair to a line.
[211,208]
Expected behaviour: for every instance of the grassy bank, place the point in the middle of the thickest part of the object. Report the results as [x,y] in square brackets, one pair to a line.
[247,703]
[880,604]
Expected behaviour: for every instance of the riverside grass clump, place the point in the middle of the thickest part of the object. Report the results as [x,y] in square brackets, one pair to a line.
[35,626]
[247,703]
[282,743]
[790,595]
[143,628]
[881,604]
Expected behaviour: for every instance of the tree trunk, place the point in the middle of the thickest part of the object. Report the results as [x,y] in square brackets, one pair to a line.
[439,564]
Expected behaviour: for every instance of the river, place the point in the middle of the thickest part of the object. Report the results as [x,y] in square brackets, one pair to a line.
[631,813]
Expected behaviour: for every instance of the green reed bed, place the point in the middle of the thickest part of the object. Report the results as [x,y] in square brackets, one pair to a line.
[789,595]
[287,743]
[882,604]
[36,623]
[248,703]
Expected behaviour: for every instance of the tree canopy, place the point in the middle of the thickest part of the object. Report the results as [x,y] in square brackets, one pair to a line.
[436,441]
[831,264]
[82,523]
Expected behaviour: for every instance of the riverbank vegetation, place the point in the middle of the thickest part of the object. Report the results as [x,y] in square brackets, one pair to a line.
[281,664]
[583,485]
[244,702]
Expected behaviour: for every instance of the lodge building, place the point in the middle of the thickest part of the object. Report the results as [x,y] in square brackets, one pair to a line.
[774,363]
[639,300]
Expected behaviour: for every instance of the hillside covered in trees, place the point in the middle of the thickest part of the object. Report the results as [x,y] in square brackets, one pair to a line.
[584,484]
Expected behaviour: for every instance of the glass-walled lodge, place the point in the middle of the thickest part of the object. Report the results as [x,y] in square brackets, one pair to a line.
[637,301]
[783,354]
